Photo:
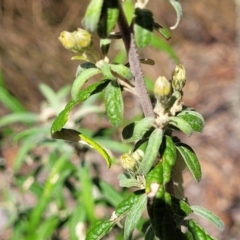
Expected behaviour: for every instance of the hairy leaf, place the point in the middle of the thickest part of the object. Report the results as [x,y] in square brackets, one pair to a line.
[136,131]
[151,152]
[181,124]
[122,71]
[114,103]
[62,118]
[99,229]
[197,232]
[108,18]
[92,15]
[191,160]
[81,79]
[75,136]
[143,27]
[211,217]
[194,119]
[178,8]
[134,215]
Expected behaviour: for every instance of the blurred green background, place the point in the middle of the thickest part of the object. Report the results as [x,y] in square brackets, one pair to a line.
[208,44]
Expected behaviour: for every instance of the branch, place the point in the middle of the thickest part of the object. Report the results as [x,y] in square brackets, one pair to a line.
[135,65]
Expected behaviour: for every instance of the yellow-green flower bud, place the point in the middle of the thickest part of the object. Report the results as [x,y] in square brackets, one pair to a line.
[128,162]
[76,41]
[162,89]
[179,78]
[67,40]
[83,39]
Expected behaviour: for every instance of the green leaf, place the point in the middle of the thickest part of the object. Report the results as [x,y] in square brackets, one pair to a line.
[211,217]
[104,45]
[136,130]
[124,207]
[151,152]
[197,232]
[111,195]
[170,153]
[105,68]
[128,182]
[181,124]
[62,118]
[54,179]
[83,76]
[47,227]
[194,119]
[154,176]
[178,8]
[165,47]
[10,101]
[75,136]
[165,33]
[122,71]
[109,17]
[19,117]
[99,229]
[82,67]
[143,27]
[87,192]
[191,160]
[114,103]
[92,15]
[134,215]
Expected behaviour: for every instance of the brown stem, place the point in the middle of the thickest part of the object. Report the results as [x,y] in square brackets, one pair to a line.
[135,65]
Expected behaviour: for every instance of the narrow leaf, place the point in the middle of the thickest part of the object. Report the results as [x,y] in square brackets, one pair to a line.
[191,160]
[75,136]
[178,8]
[108,18]
[194,119]
[134,215]
[211,217]
[165,33]
[197,232]
[181,124]
[92,15]
[18,117]
[143,27]
[99,229]
[151,152]
[10,101]
[81,79]
[136,131]
[114,103]
[122,71]
[62,118]
[87,192]
[124,207]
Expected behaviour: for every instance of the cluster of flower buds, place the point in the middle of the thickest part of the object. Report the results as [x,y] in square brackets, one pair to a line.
[166,90]
[77,41]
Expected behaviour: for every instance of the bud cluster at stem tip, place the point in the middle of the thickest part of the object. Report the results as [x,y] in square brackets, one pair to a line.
[77,41]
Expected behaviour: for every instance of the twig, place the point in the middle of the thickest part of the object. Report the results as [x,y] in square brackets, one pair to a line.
[135,65]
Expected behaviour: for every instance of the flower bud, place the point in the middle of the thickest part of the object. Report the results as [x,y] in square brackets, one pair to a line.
[179,78]
[76,41]
[83,39]
[162,89]
[67,40]
[128,162]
